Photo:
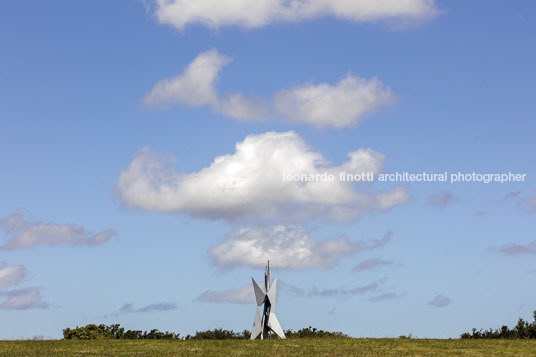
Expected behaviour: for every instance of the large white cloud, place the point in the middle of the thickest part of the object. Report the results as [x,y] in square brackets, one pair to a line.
[11,275]
[25,234]
[322,105]
[339,105]
[249,183]
[258,13]
[22,299]
[287,247]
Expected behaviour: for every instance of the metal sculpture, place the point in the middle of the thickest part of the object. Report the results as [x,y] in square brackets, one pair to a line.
[268,321]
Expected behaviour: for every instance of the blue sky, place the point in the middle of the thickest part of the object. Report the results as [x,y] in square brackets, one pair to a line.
[453,92]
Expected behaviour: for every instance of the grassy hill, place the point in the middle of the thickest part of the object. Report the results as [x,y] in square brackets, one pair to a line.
[289,347]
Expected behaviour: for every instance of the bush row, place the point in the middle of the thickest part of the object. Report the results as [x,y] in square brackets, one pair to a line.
[115,331]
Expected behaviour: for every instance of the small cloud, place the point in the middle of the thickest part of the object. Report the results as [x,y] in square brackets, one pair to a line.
[243,295]
[372,264]
[441,200]
[519,249]
[11,275]
[385,296]
[22,299]
[440,301]
[26,235]
[338,105]
[481,213]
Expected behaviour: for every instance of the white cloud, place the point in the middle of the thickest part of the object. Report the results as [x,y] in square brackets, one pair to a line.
[236,106]
[249,183]
[321,105]
[11,275]
[194,87]
[243,295]
[287,247]
[339,105]
[26,235]
[440,301]
[259,13]
[22,299]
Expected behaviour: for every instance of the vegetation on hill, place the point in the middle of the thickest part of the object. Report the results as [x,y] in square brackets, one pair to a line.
[219,334]
[95,332]
[522,329]
[116,332]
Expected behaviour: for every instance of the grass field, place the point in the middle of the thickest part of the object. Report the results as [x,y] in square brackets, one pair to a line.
[290,347]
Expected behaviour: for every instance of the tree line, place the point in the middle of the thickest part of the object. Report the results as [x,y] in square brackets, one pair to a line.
[115,331]
[219,334]
[522,329]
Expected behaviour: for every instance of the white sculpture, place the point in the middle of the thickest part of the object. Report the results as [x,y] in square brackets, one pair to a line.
[268,321]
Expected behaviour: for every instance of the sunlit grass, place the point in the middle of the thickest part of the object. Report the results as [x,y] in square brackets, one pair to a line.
[290,347]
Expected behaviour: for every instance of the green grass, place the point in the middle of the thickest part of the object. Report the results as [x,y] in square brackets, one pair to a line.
[290,347]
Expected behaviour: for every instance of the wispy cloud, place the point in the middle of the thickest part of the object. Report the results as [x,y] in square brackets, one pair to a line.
[343,292]
[372,264]
[25,234]
[243,295]
[157,307]
[385,297]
